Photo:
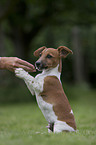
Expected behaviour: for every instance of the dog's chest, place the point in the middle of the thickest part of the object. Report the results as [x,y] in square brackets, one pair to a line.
[39,79]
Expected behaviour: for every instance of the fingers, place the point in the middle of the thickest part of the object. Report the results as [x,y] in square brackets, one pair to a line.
[23,62]
[26,68]
[25,65]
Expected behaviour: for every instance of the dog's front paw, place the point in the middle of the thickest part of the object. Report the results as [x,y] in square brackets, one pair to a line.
[20,73]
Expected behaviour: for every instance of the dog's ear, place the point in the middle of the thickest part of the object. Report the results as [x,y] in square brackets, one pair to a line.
[38,51]
[64,51]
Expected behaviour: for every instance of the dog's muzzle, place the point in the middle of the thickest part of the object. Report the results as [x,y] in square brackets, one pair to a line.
[40,65]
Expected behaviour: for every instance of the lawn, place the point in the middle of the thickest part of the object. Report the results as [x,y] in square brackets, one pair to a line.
[24,124]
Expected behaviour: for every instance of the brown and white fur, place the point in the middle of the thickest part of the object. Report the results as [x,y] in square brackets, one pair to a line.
[48,89]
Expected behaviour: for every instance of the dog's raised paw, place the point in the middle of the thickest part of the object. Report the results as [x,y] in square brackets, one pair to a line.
[21,73]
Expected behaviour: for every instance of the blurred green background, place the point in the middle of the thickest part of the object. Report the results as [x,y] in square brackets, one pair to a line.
[26,25]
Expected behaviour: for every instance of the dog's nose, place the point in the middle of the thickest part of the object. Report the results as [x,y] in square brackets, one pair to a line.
[38,63]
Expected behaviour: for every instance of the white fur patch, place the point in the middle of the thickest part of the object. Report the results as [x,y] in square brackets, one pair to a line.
[47,109]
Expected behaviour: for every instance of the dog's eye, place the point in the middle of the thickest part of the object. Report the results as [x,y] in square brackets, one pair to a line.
[49,56]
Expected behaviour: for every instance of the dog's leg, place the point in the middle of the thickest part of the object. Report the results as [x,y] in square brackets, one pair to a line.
[29,80]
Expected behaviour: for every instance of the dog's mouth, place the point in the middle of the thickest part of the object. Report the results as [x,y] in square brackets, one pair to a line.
[40,66]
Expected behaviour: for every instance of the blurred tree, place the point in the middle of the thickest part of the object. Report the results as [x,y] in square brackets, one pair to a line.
[78,58]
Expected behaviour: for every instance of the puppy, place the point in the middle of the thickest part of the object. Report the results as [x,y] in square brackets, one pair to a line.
[48,89]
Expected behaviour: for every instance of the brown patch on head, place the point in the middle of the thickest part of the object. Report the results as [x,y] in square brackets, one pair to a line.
[51,55]
[53,93]
[49,58]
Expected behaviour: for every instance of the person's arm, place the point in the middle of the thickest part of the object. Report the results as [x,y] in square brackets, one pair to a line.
[11,63]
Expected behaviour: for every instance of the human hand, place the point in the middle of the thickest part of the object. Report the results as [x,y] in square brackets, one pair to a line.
[11,63]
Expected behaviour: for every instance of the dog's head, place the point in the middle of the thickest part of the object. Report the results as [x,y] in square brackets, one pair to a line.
[50,57]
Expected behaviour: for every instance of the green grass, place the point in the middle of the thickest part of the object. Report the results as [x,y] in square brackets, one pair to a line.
[24,124]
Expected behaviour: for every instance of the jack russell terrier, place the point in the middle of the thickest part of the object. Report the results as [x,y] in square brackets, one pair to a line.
[48,89]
